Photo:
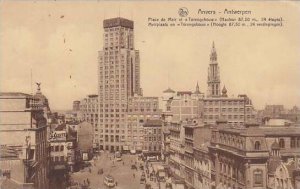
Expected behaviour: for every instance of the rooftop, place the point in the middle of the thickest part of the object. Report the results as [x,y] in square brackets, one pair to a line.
[153,123]
[261,130]
[92,96]
[169,90]
[184,92]
[114,22]
[15,94]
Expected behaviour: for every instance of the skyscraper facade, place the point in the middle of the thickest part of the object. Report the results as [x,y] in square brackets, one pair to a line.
[118,79]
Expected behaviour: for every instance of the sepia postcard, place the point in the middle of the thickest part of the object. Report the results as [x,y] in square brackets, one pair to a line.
[149,94]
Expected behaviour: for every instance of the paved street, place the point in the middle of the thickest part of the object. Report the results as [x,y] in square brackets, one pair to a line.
[125,177]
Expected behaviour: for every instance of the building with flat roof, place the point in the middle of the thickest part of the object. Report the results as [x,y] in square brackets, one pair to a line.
[89,112]
[140,109]
[22,116]
[119,79]
[152,137]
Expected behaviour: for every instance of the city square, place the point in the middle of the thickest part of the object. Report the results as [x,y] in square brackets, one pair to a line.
[121,171]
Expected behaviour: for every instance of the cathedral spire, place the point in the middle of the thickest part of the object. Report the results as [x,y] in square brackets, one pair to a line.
[197,89]
[213,54]
[213,81]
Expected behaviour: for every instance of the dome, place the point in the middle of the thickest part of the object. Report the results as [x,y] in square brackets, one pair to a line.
[224,91]
[275,146]
[169,90]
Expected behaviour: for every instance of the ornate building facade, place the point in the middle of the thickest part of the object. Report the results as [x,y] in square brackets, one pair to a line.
[255,156]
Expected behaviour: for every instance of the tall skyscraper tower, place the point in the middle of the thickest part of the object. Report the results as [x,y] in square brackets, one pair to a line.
[213,80]
[119,79]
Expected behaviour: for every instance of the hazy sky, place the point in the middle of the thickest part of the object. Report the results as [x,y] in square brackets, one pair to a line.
[260,62]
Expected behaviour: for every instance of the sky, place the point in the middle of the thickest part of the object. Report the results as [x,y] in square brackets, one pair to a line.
[57,44]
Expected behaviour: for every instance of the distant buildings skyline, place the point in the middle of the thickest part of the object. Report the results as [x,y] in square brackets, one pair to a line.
[252,60]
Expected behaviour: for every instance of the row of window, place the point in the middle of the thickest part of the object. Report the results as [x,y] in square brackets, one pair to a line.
[228,116]
[152,138]
[116,29]
[142,110]
[57,148]
[225,102]
[112,105]
[226,110]
[152,148]
[58,159]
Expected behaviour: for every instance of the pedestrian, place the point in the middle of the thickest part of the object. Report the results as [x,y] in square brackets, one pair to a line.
[116,183]
[133,175]
[88,181]
[123,163]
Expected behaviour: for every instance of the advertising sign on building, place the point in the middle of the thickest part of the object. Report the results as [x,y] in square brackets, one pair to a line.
[58,136]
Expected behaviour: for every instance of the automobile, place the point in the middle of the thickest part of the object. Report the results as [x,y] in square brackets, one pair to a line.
[133,166]
[118,159]
[152,158]
[109,181]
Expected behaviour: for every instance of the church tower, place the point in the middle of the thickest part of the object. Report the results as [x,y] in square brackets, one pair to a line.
[213,80]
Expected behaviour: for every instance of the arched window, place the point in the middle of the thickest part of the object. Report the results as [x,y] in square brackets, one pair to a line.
[257,145]
[281,143]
